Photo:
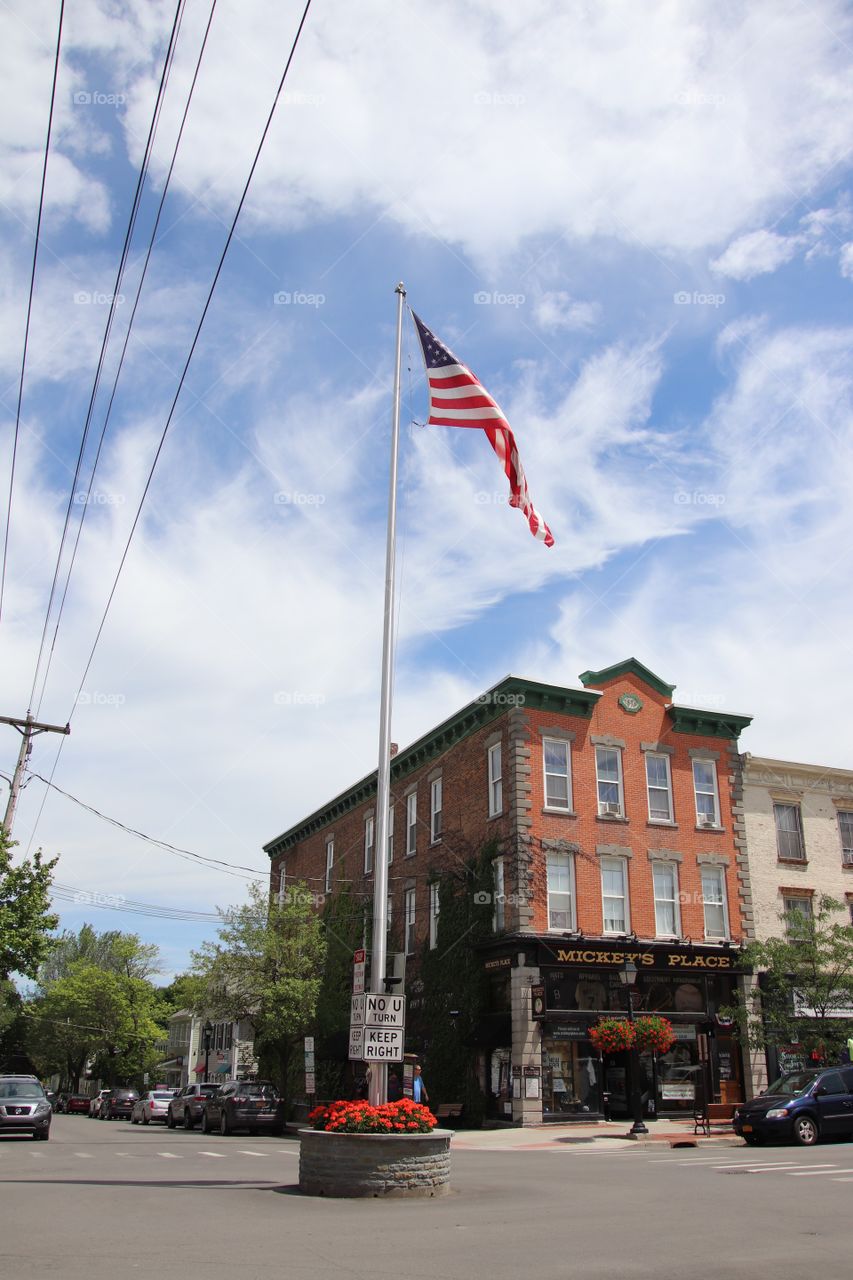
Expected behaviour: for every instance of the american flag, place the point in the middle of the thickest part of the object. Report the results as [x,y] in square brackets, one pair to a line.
[458,399]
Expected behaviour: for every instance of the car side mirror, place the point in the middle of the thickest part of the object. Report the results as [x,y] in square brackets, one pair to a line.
[819,1091]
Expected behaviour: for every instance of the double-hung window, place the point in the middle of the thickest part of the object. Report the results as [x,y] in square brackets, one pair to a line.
[658,787]
[435,801]
[556,763]
[499,913]
[608,776]
[614,895]
[410,921]
[665,879]
[411,823]
[845,826]
[434,910]
[369,842]
[790,845]
[799,913]
[705,791]
[330,862]
[714,902]
[390,833]
[495,781]
[561,892]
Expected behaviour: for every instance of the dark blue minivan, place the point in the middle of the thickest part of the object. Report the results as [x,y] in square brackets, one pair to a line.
[802,1106]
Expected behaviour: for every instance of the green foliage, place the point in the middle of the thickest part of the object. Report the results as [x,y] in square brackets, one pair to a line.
[816,963]
[25,917]
[343,926]
[267,968]
[112,950]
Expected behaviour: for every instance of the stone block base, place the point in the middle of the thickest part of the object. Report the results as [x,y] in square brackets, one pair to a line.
[374,1164]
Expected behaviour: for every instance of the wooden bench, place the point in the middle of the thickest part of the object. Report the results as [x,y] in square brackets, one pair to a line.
[449,1111]
[716,1114]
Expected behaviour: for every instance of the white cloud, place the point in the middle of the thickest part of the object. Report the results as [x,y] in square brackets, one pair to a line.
[558,310]
[755,254]
[846,260]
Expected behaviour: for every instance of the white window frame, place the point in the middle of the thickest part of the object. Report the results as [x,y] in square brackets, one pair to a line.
[282,884]
[369,843]
[495,759]
[845,819]
[670,814]
[788,909]
[608,782]
[701,813]
[561,863]
[718,874]
[547,773]
[434,912]
[390,834]
[671,868]
[436,801]
[499,895]
[620,865]
[794,807]
[330,862]
[411,823]
[409,909]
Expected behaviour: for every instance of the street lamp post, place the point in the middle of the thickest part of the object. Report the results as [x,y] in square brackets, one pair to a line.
[207,1032]
[628,976]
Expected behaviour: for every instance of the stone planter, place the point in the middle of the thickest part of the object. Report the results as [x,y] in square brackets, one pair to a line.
[374,1164]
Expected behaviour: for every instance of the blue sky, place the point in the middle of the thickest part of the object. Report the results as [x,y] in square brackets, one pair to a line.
[633,222]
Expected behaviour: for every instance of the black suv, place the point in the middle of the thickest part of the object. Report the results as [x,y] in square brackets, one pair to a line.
[239,1104]
[24,1107]
[803,1105]
[118,1104]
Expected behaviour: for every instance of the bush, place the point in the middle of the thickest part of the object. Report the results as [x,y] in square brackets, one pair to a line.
[404,1116]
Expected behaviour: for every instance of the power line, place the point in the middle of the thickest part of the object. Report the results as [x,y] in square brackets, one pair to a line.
[118,902]
[149,250]
[30,305]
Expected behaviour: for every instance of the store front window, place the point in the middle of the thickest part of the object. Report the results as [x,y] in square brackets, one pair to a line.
[571,1075]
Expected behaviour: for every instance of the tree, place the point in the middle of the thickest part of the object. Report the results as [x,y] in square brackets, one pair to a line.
[344,925]
[25,917]
[266,968]
[112,950]
[804,994]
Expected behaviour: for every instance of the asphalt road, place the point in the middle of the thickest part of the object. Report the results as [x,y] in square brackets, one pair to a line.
[101,1201]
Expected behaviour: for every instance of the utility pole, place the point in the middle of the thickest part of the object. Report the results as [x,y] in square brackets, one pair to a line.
[27,728]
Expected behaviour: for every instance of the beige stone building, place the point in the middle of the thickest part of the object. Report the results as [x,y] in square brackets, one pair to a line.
[798,822]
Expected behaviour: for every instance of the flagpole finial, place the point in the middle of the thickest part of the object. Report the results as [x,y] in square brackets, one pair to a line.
[401,288]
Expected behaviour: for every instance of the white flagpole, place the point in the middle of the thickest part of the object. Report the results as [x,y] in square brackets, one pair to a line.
[378,1091]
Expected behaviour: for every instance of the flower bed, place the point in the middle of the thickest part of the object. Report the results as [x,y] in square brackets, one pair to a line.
[404,1116]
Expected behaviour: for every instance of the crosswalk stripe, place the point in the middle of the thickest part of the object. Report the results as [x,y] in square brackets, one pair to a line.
[842,1179]
[169,1155]
[777,1164]
[83,1155]
[217,1155]
[262,1154]
[813,1173]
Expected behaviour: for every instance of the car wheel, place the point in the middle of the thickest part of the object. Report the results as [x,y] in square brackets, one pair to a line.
[133,1120]
[44,1135]
[752,1140]
[205,1123]
[806,1132]
[170,1120]
[224,1126]
[188,1120]
[145,1119]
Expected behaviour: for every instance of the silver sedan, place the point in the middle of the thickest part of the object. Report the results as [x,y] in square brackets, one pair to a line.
[151,1106]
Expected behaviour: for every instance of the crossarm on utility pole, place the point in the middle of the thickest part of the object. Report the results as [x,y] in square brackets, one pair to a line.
[28,728]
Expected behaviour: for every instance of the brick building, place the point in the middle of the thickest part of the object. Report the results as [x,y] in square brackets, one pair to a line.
[615,824]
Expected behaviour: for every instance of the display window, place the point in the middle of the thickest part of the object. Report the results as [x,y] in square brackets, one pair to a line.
[571,1078]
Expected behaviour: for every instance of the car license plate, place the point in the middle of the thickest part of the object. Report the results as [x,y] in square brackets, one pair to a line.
[746,1128]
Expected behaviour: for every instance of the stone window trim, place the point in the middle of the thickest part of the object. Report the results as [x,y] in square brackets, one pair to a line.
[613,851]
[561,846]
[664,855]
[713,860]
[657,748]
[844,804]
[702,753]
[413,786]
[493,739]
[567,735]
[796,891]
[785,795]
[664,822]
[434,774]
[608,740]
[559,813]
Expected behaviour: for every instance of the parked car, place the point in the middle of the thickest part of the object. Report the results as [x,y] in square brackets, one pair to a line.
[61,1100]
[118,1104]
[187,1106]
[52,1097]
[240,1104]
[95,1104]
[77,1104]
[24,1107]
[802,1106]
[151,1106]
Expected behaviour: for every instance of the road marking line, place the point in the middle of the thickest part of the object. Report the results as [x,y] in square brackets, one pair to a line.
[83,1155]
[778,1164]
[843,1179]
[262,1154]
[169,1155]
[37,1155]
[813,1173]
[217,1155]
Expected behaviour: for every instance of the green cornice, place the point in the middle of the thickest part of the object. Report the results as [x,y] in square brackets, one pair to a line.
[707,724]
[512,692]
[630,666]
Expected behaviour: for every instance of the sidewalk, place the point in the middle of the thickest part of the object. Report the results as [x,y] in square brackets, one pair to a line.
[605,1133]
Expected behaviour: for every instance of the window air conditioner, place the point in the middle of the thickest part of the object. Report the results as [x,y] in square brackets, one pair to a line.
[610,810]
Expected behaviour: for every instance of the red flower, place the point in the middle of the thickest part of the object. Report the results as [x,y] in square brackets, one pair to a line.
[405,1116]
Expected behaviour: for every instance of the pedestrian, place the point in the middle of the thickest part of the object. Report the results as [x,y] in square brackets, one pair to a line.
[419,1089]
[395,1089]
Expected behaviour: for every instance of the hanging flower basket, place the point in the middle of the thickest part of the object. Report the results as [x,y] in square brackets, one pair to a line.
[612,1035]
[654,1034]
